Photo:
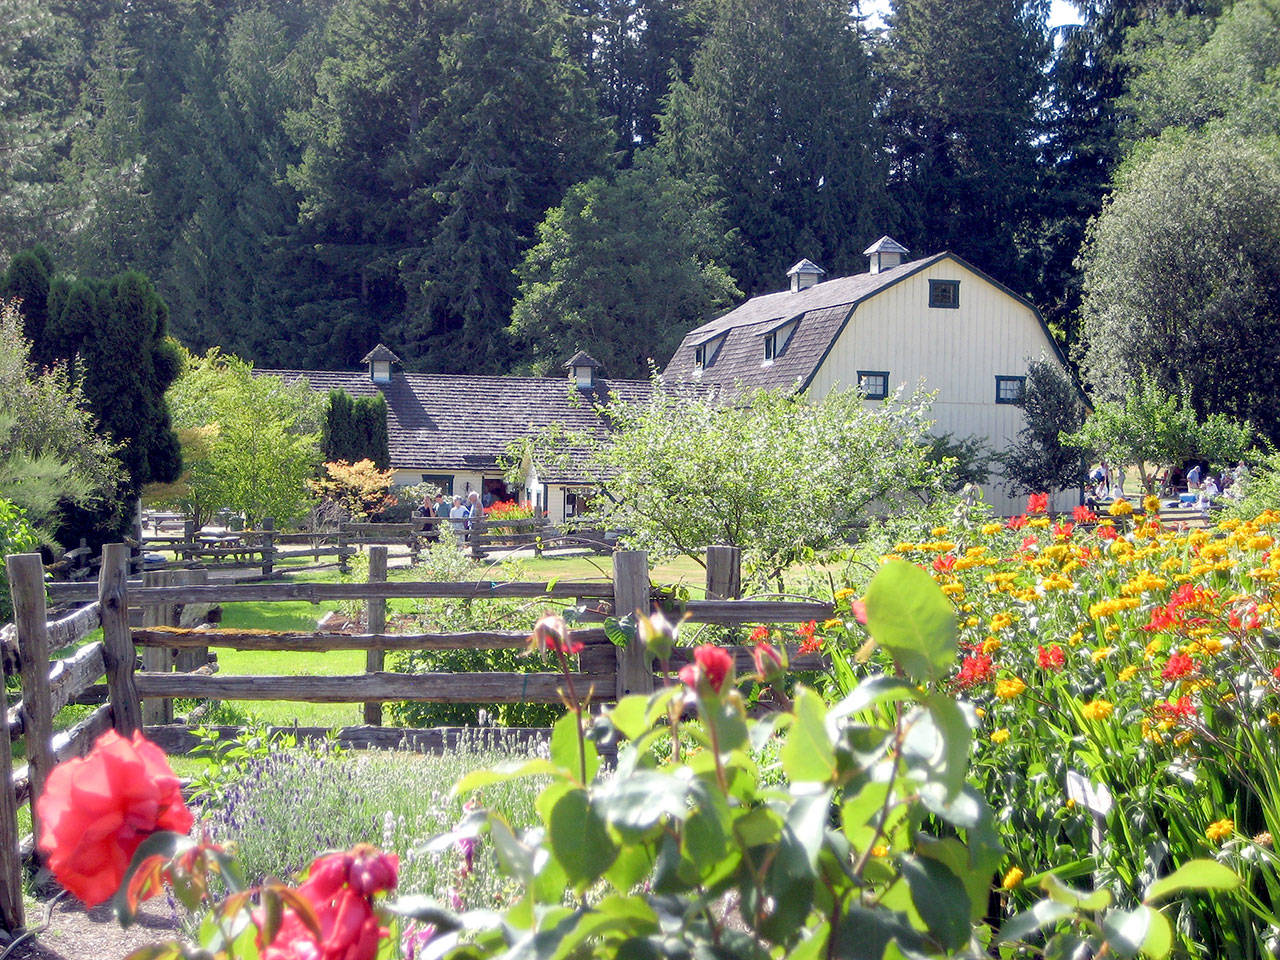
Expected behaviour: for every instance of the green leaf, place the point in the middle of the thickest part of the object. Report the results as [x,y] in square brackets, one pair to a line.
[872,691]
[955,855]
[1045,913]
[1159,939]
[807,819]
[908,615]
[1126,930]
[564,748]
[620,631]
[630,716]
[629,868]
[514,770]
[638,803]
[730,725]
[579,839]
[940,898]
[425,909]
[1194,875]
[788,890]
[1076,899]
[808,755]
[165,844]
[953,729]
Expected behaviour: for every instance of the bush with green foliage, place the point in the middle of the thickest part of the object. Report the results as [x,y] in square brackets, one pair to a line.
[1038,460]
[356,429]
[16,536]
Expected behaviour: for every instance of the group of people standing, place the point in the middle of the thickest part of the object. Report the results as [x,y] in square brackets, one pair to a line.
[459,512]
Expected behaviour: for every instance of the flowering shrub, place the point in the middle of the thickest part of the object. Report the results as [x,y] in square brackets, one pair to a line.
[1125,677]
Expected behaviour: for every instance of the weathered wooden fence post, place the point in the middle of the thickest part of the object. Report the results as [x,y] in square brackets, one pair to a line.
[11,914]
[375,622]
[158,659]
[724,573]
[117,638]
[190,658]
[631,593]
[344,565]
[188,538]
[268,546]
[31,618]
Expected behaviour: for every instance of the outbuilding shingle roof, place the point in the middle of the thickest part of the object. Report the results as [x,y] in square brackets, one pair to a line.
[444,422]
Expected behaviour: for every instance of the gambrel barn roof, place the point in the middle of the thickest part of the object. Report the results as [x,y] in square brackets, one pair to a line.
[807,322]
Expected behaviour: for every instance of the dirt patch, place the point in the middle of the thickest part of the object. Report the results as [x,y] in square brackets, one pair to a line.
[76,934]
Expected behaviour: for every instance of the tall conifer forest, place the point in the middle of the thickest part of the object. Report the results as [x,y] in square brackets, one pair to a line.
[487,185]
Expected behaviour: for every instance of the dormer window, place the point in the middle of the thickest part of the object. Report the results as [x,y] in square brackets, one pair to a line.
[770,346]
[380,360]
[582,370]
[700,356]
[944,293]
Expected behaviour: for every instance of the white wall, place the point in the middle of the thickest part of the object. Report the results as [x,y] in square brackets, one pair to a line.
[958,352]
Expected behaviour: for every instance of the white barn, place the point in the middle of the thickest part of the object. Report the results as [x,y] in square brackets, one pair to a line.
[938,320]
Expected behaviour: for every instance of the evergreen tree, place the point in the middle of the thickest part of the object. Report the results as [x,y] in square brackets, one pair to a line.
[622,269]
[355,429]
[1038,460]
[27,281]
[962,85]
[516,125]
[778,116]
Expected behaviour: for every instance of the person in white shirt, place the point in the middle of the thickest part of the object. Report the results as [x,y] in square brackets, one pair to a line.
[458,515]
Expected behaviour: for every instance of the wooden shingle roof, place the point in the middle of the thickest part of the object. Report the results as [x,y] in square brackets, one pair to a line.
[445,422]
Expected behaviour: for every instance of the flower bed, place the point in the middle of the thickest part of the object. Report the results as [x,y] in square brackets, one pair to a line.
[1125,675]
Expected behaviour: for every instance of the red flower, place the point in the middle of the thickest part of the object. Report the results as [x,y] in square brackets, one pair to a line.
[1107,532]
[96,811]
[1063,529]
[1029,542]
[1018,522]
[759,633]
[339,889]
[710,663]
[1083,514]
[944,562]
[975,669]
[859,610]
[1177,667]
[1275,672]
[1051,657]
[769,665]
[1038,503]
[552,633]
[1163,619]
[1180,709]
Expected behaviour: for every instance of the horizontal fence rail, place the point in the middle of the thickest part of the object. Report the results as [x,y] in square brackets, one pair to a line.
[313,642]
[398,590]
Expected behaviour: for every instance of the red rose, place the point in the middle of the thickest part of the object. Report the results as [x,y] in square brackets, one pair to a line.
[769,665]
[710,663]
[96,811]
[339,888]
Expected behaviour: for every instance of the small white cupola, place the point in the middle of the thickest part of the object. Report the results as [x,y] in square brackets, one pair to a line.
[582,370]
[380,360]
[804,275]
[885,254]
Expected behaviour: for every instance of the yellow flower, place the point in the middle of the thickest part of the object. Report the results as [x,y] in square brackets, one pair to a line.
[990,645]
[1009,688]
[1121,508]
[953,589]
[991,528]
[1097,709]
[1212,645]
[1151,504]
[937,532]
[879,850]
[1000,621]
[1038,522]
[1000,736]
[1101,653]
[972,621]
[903,547]
[1127,673]
[1273,718]
[833,622]
[1012,879]
[1219,830]
[845,593]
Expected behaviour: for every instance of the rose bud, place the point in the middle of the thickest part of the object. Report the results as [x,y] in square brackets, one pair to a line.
[770,664]
[658,635]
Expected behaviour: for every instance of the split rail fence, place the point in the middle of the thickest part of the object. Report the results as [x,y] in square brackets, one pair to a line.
[146,666]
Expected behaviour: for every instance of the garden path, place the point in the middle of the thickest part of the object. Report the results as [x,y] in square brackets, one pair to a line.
[78,934]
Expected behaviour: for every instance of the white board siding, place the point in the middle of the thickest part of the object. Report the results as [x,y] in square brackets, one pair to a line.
[956,352]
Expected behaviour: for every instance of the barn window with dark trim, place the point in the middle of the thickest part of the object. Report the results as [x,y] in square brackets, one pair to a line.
[1010,389]
[700,356]
[874,384]
[770,346]
[944,293]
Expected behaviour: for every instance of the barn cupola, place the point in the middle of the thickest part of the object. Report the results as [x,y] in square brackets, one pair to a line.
[380,360]
[582,370]
[885,254]
[804,275]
